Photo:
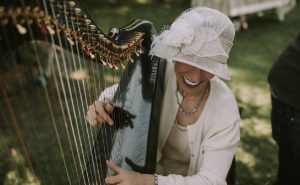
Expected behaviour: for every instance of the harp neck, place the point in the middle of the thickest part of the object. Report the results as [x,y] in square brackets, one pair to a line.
[68,19]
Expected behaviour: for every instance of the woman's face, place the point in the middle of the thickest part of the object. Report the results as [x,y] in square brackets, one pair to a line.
[191,80]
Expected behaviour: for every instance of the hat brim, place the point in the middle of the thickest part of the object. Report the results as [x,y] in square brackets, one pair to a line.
[207,64]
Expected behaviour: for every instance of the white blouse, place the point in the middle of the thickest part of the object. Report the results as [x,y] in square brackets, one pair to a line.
[176,153]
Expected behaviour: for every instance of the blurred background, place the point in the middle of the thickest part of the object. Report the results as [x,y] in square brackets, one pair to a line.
[264,28]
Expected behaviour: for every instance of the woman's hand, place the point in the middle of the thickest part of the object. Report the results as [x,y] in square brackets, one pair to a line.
[124,177]
[98,113]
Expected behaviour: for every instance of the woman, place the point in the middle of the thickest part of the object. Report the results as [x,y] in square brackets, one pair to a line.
[199,125]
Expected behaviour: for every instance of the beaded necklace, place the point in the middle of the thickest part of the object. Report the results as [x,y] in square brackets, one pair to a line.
[189,113]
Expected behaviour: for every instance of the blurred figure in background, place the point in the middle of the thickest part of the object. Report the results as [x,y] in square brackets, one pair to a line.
[238,10]
[284,80]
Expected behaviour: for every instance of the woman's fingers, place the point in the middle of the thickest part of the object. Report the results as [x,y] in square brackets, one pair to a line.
[117,170]
[123,177]
[108,107]
[91,118]
[114,167]
[113,180]
[98,113]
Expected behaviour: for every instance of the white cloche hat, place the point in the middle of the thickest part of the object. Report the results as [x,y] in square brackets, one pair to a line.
[201,37]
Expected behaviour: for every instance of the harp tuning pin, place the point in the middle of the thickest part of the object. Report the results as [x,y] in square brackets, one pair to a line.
[77,10]
[55,21]
[92,56]
[93,27]
[137,53]
[36,9]
[72,4]
[130,60]
[101,36]
[104,63]
[115,67]
[123,47]
[88,22]
[21,29]
[50,30]
[110,66]
[122,65]
[71,42]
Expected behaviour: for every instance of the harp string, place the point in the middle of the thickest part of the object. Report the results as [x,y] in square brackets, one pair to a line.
[73,135]
[74,160]
[91,35]
[24,145]
[67,116]
[41,96]
[61,100]
[46,93]
[95,164]
[78,137]
[15,122]
[109,74]
[98,164]
[75,26]
[84,111]
[54,123]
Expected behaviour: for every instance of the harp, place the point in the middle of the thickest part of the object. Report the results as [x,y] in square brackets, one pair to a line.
[55,61]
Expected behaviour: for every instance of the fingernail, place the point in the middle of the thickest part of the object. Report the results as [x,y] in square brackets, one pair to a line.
[111,123]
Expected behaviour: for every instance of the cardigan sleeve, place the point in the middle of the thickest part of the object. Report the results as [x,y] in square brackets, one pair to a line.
[218,152]
[108,93]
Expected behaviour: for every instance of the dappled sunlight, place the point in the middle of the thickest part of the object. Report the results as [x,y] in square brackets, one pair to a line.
[18,173]
[80,74]
[246,157]
[249,94]
[142,1]
[258,126]
[256,150]
[111,79]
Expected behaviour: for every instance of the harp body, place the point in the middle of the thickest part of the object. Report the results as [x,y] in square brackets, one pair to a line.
[55,61]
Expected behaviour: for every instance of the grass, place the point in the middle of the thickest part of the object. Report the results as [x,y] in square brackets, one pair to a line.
[254,52]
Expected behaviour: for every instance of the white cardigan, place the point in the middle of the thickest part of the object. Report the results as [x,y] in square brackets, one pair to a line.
[212,139]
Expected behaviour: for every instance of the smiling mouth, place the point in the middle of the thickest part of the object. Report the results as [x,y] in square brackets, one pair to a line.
[190,83]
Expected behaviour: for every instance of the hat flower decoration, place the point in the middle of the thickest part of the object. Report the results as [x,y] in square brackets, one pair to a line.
[201,37]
